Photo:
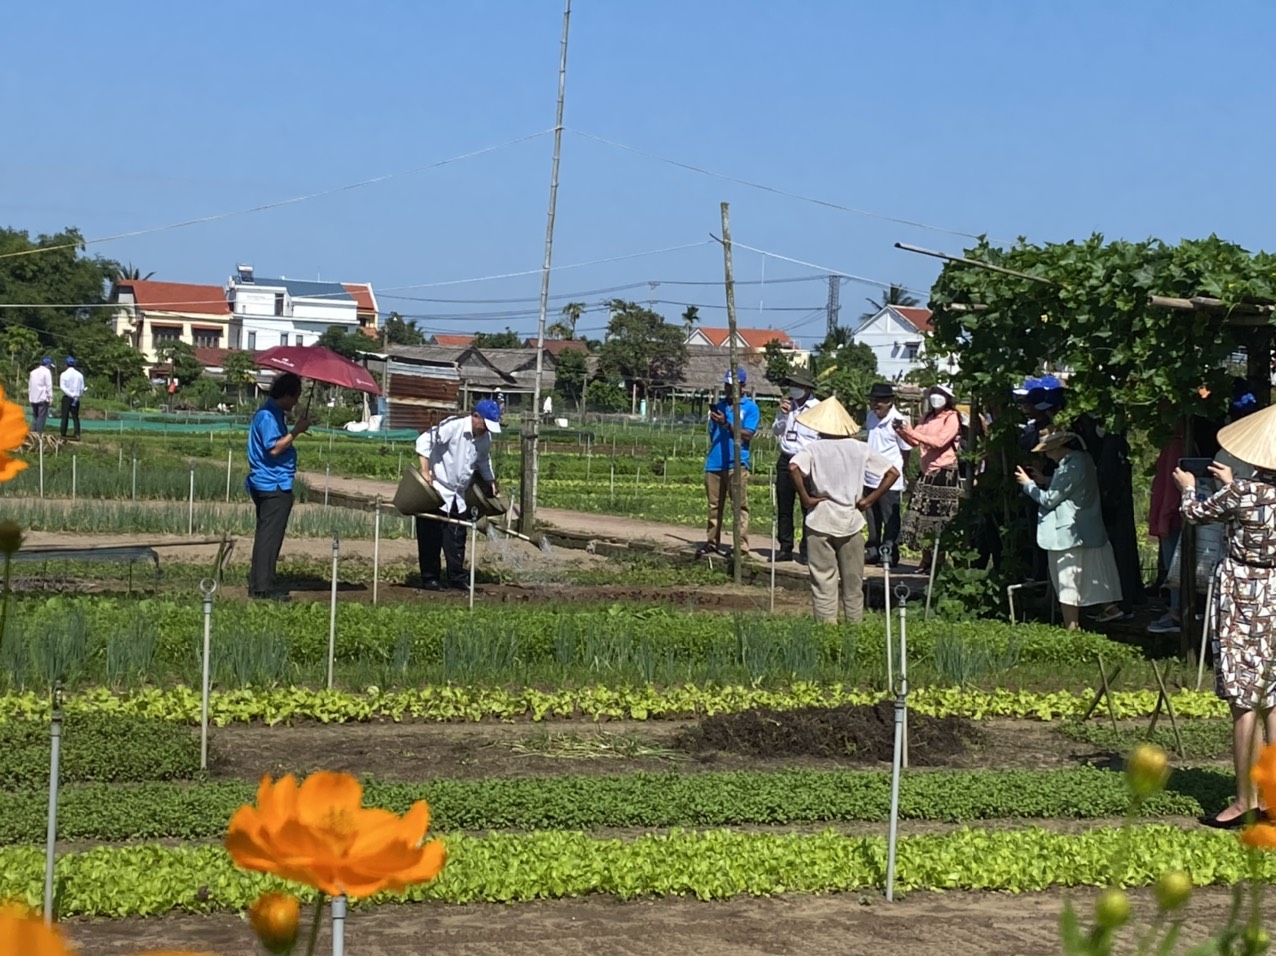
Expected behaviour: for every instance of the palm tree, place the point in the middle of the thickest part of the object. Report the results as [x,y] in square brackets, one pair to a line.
[690,318]
[896,295]
[565,328]
[131,272]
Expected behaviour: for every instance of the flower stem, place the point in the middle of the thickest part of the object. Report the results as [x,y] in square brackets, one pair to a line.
[314,926]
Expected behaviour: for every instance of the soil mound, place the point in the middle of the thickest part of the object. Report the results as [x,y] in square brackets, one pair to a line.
[861,733]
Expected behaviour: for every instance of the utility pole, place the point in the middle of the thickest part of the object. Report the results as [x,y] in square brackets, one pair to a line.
[835,302]
[531,422]
[737,478]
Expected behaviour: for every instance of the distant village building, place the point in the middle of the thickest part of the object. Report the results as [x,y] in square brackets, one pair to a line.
[154,314]
[899,336]
[271,312]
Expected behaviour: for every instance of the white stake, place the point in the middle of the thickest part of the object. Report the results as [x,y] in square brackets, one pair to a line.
[74,474]
[376,549]
[190,514]
[41,466]
[135,477]
[229,454]
[611,493]
[207,586]
[775,511]
[51,833]
[900,759]
[327,475]
[332,617]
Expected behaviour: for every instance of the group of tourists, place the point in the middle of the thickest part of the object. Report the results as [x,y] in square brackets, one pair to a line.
[40,395]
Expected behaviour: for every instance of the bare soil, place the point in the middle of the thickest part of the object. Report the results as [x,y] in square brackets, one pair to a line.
[417,751]
[847,924]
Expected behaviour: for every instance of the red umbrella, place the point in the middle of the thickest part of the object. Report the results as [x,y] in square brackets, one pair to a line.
[319,364]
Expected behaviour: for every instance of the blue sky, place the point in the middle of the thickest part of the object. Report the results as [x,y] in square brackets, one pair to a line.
[1050,120]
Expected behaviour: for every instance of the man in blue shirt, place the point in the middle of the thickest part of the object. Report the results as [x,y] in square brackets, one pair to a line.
[272,465]
[720,462]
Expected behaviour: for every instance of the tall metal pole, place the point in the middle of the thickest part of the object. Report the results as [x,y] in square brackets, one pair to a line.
[737,478]
[834,303]
[527,510]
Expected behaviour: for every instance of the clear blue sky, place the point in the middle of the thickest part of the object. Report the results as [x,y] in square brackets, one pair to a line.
[1049,120]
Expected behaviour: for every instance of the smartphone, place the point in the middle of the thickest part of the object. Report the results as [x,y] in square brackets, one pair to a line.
[1200,467]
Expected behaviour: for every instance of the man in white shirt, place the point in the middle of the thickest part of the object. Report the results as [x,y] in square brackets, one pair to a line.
[792,437]
[451,452]
[829,474]
[40,393]
[71,383]
[883,517]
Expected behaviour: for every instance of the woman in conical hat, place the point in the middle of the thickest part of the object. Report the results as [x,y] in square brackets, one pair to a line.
[1243,606]
[829,476]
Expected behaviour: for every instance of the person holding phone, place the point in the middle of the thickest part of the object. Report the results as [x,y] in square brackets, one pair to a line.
[1243,605]
[719,464]
[937,493]
[793,437]
[1070,530]
[272,466]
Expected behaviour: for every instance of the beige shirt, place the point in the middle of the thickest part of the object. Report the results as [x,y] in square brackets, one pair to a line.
[835,468]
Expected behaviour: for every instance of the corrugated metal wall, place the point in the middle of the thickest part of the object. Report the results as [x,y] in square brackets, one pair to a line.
[421,395]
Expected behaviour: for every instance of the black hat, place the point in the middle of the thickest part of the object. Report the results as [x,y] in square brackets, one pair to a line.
[798,377]
[882,390]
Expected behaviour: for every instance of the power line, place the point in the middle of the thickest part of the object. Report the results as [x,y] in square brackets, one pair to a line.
[278,203]
[828,204]
[829,271]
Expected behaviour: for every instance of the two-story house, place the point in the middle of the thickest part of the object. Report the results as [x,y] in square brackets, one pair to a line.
[153,314]
[899,336]
[270,312]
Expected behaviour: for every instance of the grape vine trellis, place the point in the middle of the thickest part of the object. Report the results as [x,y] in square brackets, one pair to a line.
[1092,316]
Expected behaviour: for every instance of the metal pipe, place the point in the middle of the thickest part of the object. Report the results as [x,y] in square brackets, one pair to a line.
[327,477]
[229,458]
[207,586]
[1206,626]
[885,551]
[190,511]
[42,469]
[134,476]
[51,833]
[473,551]
[930,585]
[338,926]
[774,543]
[898,760]
[74,474]
[376,549]
[332,615]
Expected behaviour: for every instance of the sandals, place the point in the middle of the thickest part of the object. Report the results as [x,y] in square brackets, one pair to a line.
[1115,614]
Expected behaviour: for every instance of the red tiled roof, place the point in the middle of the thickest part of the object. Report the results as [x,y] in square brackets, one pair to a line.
[556,347]
[454,341]
[214,358]
[920,318]
[753,338]
[362,292]
[177,297]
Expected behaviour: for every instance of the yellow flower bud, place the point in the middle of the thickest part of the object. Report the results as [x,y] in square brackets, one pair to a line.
[1147,770]
[274,917]
[1173,889]
[1112,909]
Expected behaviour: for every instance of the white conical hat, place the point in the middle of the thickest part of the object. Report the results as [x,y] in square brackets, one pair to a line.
[829,418]
[1253,439]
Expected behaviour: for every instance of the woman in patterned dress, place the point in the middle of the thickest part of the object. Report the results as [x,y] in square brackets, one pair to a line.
[1243,609]
[936,494]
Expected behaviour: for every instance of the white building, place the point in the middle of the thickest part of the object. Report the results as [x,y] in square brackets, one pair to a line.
[271,312]
[899,336]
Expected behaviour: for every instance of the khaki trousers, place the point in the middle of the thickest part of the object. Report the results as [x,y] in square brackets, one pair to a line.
[836,566]
[718,486]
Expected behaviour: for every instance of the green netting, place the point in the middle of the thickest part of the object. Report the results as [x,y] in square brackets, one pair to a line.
[179,426]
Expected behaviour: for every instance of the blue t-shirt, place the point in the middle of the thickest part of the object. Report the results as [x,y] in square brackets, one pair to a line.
[721,451]
[267,472]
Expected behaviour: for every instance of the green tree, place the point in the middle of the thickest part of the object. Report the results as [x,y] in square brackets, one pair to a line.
[114,358]
[50,269]
[779,362]
[498,340]
[130,271]
[847,373]
[565,328]
[895,295]
[180,357]
[569,374]
[239,371]
[400,332]
[641,346]
[344,342]
[690,319]
[22,346]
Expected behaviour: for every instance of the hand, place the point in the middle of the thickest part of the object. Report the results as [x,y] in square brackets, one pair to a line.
[786,406]
[427,475]
[1023,477]
[302,426]
[1185,479]
[898,425]
[863,504]
[1222,473]
[496,487]
[718,417]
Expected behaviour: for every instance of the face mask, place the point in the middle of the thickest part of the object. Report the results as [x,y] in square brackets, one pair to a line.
[797,393]
[937,401]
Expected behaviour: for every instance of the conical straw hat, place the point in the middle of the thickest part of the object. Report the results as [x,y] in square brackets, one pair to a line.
[829,418]
[1253,439]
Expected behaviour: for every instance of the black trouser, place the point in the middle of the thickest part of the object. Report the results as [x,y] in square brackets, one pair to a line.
[883,526]
[786,497]
[433,536]
[70,412]
[39,415]
[273,508]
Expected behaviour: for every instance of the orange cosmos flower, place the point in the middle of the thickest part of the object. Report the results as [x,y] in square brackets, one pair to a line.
[13,432]
[274,918]
[22,931]
[320,834]
[1262,836]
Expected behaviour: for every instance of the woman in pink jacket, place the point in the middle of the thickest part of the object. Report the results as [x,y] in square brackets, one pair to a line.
[934,497]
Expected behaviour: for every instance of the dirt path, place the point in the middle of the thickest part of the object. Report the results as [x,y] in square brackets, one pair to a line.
[847,924]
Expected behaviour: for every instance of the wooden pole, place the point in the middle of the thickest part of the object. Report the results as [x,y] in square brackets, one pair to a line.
[973,262]
[1187,564]
[531,476]
[737,483]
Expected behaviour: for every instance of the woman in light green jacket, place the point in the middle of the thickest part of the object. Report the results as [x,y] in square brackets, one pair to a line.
[1070,530]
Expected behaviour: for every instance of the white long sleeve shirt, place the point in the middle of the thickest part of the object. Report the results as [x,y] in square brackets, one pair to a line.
[72,383]
[794,437]
[454,453]
[40,385]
